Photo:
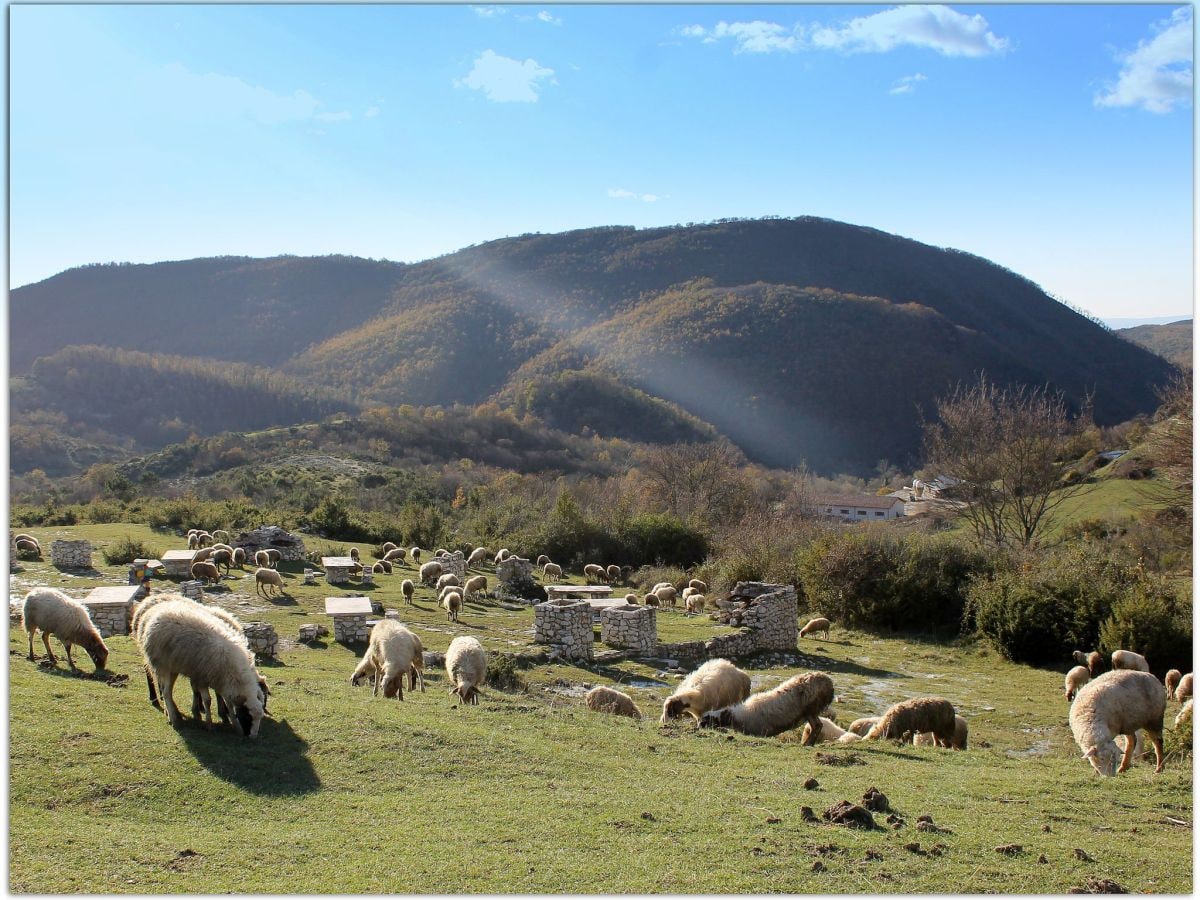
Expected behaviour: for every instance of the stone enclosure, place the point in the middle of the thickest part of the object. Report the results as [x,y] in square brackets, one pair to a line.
[271,537]
[630,626]
[566,625]
[71,554]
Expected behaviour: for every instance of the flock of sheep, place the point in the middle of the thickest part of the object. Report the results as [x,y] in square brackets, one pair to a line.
[179,637]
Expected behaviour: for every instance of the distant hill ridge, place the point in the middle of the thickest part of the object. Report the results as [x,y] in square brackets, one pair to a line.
[1171,341]
[799,339]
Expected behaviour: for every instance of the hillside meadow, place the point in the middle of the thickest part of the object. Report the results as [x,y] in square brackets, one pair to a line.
[530,792]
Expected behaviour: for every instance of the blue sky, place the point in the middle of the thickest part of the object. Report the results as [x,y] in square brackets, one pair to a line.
[1056,140]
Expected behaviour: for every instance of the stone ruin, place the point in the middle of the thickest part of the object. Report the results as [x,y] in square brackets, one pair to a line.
[514,578]
[71,554]
[192,589]
[262,638]
[271,537]
[312,631]
[767,615]
[630,626]
[454,564]
[566,625]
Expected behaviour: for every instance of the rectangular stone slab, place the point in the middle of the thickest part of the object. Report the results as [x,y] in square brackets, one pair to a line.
[337,562]
[583,591]
[172,555]
[104,595]
[347,606]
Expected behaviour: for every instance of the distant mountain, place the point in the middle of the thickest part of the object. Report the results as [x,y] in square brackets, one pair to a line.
[1119,322]
[799,339]
[1172,342]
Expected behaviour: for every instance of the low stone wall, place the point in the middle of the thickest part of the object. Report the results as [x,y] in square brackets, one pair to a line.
[631,626]
[454,564]
[71,554]
[192,589]
[271,537]
[351,629]
[686,653]
[566,625]
[262,638]
[514,578]
[337,574]
[110,618]
[768,616]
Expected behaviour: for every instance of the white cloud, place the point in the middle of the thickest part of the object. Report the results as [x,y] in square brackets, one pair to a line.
[372,112]
[622,194]
[548,19]
[907,84]
[489,12]
[748,37]
[332,117]
[507,80]
[1156,76]
[937,28]
[212,95]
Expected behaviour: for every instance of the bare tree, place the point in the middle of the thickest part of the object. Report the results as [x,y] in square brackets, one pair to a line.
[700,483]
[1005,449]
[1170,440]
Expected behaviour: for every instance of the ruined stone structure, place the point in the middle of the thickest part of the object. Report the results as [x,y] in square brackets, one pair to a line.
[262,638]
[192,589]
[566,625]
[271,537]
[767,615]
[514,578]
[71,554]
[109,608]
[455,564]
[349,616]
[630,626]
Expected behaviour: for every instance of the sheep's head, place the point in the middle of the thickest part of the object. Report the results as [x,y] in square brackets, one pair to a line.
[94,645]
[674,707]
[720,718]
[1104,758]
[393,686]
[249,714]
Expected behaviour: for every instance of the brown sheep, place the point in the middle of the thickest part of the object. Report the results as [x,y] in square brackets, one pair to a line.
[206,571]
[917,716]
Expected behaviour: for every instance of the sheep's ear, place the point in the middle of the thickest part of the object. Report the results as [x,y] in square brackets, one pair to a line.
[1091,754]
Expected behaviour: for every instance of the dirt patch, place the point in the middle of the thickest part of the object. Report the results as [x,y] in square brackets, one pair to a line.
[1039,748]
[185,859]
[1099,886]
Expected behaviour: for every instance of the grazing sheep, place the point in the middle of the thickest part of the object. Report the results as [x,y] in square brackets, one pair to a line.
[1080,657]
[179,637]
[67,619]
[1096,663]
[542,560]
[407,588]
[416,672]
[650,600]
[815,625]
[274,556]
[631,599]
[690,591]
[222,558]
[715,684]
[694,604]
[395,555]
[430,572]
[666,595]
[1184,691]
[25,545]
[959,742]
[830,732]
[222,533]
[698,585]
[239,557]
[384,565]
[595,574]
[768,713]
[449,578]
[862,726]
[262,559]
[501,555]
[1130,661]
[202,555]
[378,569]
[466,665]
[917,716]
[264,578]
[415,555]
[551,570]
[384,548]
[478,555]
[390,657]
[608,700]
[206,571]
[1118,702]
[354,553]
[661,584]
[1171,681]
[1185,713]
[222,546]
[452,603]
[476,585]
[613,573]
[201,698]
[1076,678]
[193,541]
[205,539]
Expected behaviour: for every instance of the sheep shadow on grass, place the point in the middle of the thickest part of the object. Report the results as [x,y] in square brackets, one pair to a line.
[275,764]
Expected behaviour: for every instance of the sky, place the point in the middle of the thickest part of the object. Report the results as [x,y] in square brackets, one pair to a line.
[1055,140]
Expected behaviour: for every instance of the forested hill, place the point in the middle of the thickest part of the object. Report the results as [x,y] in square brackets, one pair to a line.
[1172,341]
[800,339]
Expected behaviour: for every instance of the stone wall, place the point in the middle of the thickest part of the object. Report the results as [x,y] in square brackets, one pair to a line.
[351,629]
[632,626]
[192,589]
[767,615]
[262,638]
[271,537]
[514,579]
[109,618]
[566,625]
[71,554]
[454,564]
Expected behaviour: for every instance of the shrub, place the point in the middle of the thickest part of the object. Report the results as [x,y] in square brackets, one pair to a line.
[126,550]
[662,539]
[1148,621]
[502,672]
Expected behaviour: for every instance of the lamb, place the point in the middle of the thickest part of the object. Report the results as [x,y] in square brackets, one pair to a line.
[694,604]
[666,595]
[631,599]
[613,574]
[1184,691]
[478,555]
[690,591]
[178,637]
[1171,681]
[378,569]
[959,742]
[814,625]
[608,700]
[395,555]
[407,588]
[698,585]
[542,560]
[829,732]
[501,555]
[768,713]
[430,572]
[863,725]
[551,570]
[264,578]
[204,538]
[193,540]
[1185,714]
[449,578]
[917,716]
[453,604]
[67,619]
[389,658]
[239,557]
[206,571]
[384,548]
[595,574]
[466,665]
[1076,678]
[715,684]
[1118,702]
[476,585]
[1128,660]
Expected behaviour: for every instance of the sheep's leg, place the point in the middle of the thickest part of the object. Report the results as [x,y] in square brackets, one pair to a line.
[49,652]
[166,690]
[150,687]
[814,735]
[31,644]
[1157,740]
[1127,759]
[70,661]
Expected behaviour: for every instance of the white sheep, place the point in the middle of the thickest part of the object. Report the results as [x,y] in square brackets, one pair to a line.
[385,566]
[666,595]
[694,604]
[542,560]
[1075,679]
[267,578]
[466,666]
[67,619]
[799,699]
[275,556]
[202,554]
[551,570]
[414,554]
[448,579]
[1185,713]
[819,624]
[917,716]
[609,700]
[690,591]
[430,572]
[478,555]
[958,742]
[239,557]
[391,655]
[395,555]
[1171,681]
[222,546]
[651,600]
[631,599]
[178,637]
[407,588]
[201,699]
[501,555]
[1129,661]
[193,540]
[595,574]
[384,548]
[262,559]
[715,684]
[863,726]
[829,733]
[452,603]
[699,585]
[613,573]
[1118,702]
[476,585]
[1184,691]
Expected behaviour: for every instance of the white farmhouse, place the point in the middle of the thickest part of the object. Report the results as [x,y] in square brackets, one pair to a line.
[859,507]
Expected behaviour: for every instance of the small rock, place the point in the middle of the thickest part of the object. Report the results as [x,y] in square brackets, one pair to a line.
[807,814]
[913,847]
[1009,849]
[811,784]
[1083,856]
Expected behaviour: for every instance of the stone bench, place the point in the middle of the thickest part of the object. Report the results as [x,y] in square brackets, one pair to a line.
[349,616]
[178,563]
[109,608]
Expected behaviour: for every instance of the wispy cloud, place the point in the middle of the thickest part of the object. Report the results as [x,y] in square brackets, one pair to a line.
[907,84]
[372,112]
[622,194]
[938,28]
[506,80]
[213,95]
[1157,76]
[332,117]
[489,12]
[544,16]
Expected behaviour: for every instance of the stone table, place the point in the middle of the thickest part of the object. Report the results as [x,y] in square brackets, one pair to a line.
[337,568]
[178,563]
[349,616]
[109,607]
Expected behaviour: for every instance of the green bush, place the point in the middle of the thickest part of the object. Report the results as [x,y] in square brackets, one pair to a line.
[503,672]
[660,539]
[126,550]
[1149,621]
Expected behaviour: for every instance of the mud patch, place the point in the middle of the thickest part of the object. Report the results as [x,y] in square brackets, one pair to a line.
[1039,748]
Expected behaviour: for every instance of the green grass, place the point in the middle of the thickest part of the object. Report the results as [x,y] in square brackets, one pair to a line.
[1110,500]
[530,792]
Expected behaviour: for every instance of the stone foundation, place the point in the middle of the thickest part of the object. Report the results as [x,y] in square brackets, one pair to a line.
[192,589]
[310,632]
[351,629]
[262,638]
[109,618]
[271,537]
[71,554]
[631,626]
[566,625]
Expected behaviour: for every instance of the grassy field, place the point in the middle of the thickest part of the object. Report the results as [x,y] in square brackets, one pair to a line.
[531,792]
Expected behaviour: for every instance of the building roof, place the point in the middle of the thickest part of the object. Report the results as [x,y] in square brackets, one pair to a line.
[864,501]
